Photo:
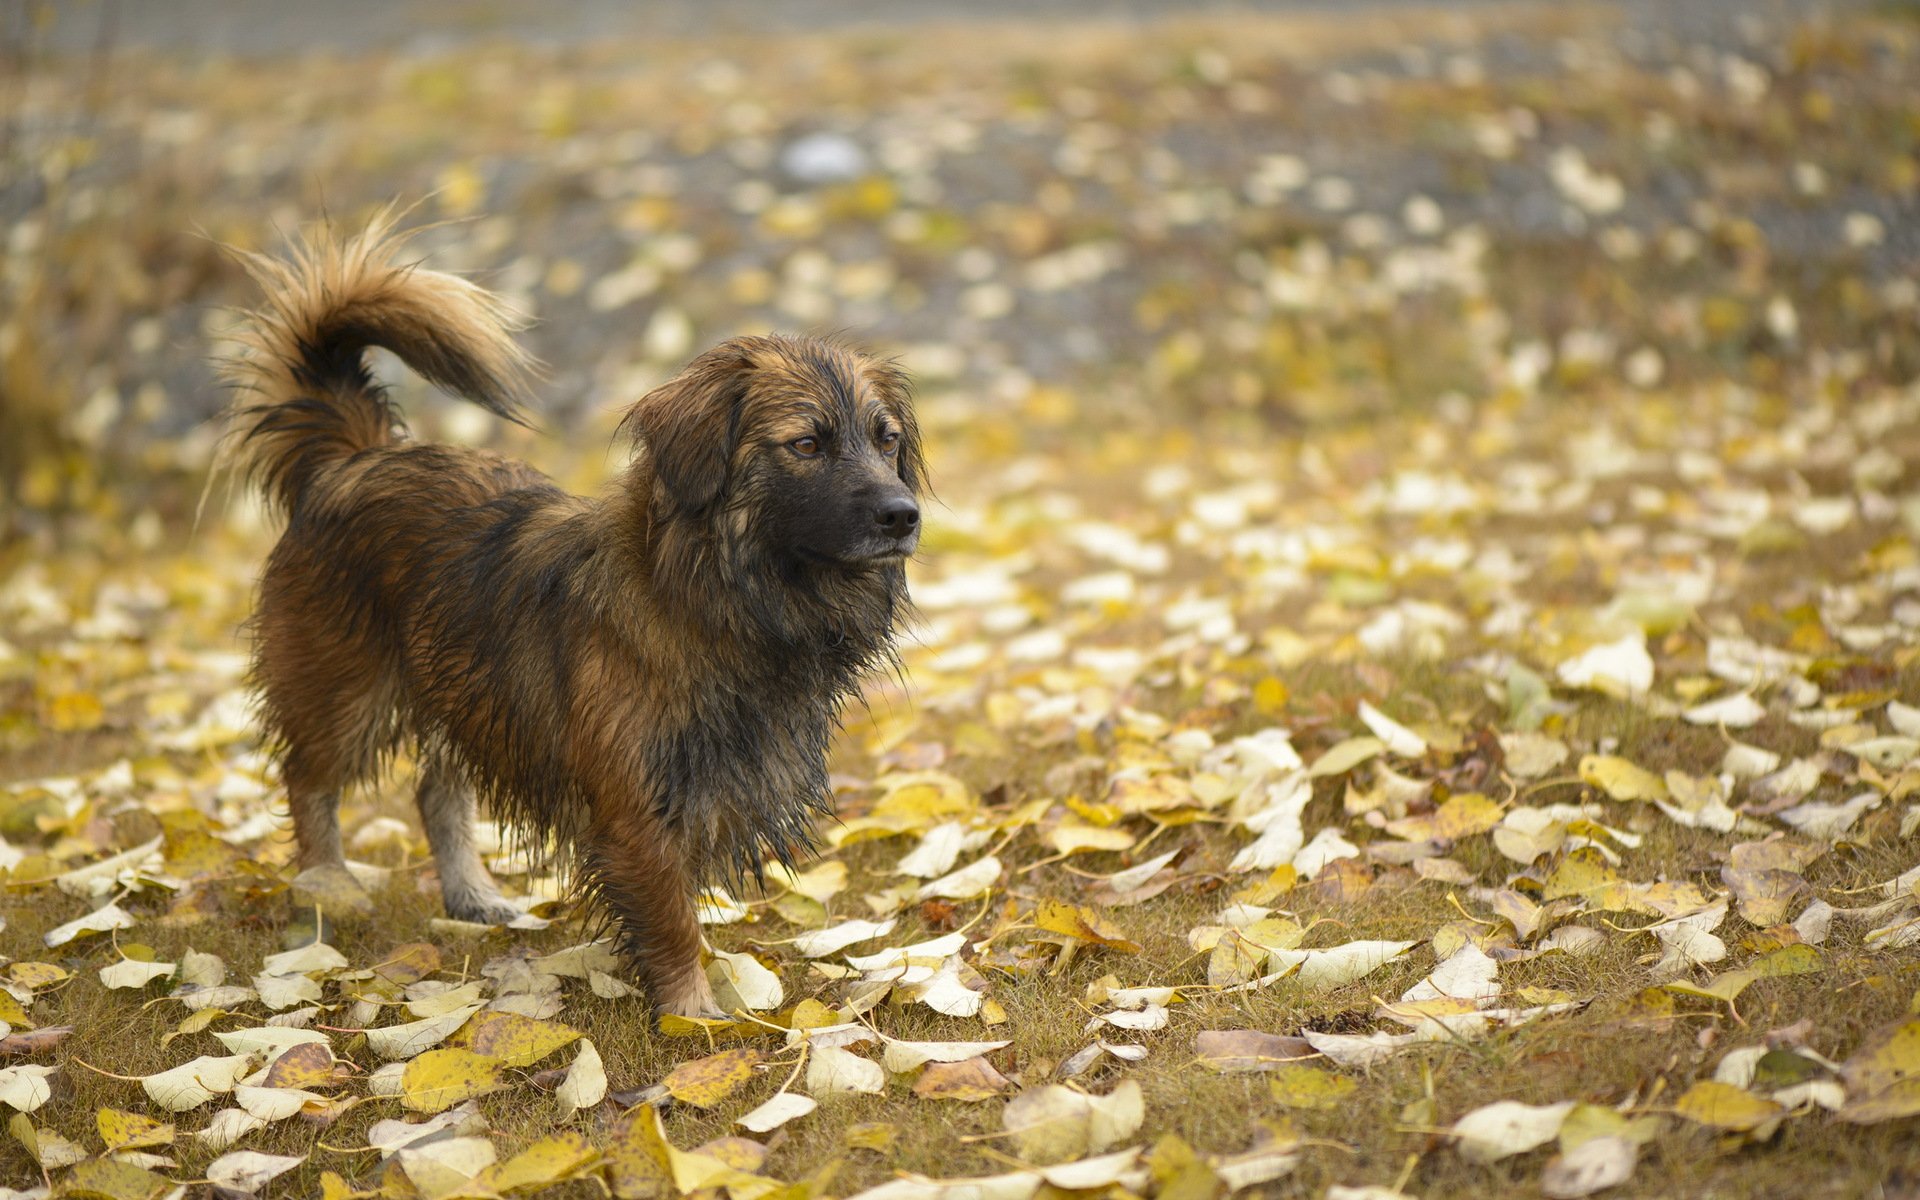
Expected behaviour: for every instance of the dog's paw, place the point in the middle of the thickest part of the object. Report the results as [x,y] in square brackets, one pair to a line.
[692,997]
[482,908]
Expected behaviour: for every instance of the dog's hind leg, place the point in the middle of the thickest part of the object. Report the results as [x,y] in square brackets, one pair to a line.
[313,801]
[446,810]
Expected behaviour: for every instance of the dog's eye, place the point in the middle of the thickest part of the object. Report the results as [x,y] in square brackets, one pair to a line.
[806,447]
[890,441]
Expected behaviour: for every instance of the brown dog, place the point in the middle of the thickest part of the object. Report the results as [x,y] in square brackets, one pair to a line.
[647,679]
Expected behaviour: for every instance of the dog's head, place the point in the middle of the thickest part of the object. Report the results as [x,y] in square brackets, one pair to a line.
[806,446]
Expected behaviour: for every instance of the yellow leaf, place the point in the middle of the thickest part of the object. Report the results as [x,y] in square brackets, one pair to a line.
[334,1187]
[1081,924]
[1055,1123]
[1461,816]
[1270,695]
[130,1131]
[112,1178]
[1725,987]
[439,1079]
[1797,959]
[308,1065]
[1156,793]
[514,1040]
[638,1159]
[553,1159]
[707,1081]
[811,1014]
[75,712]
[1071,837]
[675,1025]
[1345,756]
[460,190]
[1582,873]
[1621,779]
[1723,1106]
[1883,1076]
[1234,960]
[1297,1085]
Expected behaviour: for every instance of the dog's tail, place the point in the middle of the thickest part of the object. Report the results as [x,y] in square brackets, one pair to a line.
[305,398]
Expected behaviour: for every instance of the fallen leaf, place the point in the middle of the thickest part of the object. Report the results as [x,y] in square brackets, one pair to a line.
[705,1082]
[439,1079]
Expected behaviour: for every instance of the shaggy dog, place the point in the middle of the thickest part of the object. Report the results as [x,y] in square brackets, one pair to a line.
[647,679]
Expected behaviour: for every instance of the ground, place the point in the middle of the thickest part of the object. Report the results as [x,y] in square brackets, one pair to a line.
[1415,686]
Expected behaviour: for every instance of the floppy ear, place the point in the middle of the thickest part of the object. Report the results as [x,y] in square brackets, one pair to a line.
[896,391]
[687,424]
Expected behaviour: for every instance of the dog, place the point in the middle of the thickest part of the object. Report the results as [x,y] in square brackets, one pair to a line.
[647,680]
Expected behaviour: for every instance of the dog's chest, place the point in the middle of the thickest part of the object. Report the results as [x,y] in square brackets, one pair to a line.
[745,774]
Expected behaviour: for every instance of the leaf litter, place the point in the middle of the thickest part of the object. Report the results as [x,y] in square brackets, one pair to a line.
[1447,646]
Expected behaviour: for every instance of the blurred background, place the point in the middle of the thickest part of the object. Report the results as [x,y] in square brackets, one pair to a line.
[1152,213]
[1363,320]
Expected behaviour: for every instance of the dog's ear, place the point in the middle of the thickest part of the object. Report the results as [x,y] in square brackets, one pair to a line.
[896,392]
[688,423]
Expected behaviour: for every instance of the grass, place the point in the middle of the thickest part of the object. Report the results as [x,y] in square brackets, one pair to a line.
[1308,413]
[1619,1050]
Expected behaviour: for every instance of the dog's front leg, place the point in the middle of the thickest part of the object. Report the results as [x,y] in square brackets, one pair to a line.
[638,870]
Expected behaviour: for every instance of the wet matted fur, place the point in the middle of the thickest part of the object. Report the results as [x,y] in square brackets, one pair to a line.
[649,678]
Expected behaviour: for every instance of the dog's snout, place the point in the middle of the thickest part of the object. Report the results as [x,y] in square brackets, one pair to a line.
[897,516]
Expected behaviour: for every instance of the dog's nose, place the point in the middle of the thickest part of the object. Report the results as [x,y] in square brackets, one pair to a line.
[897,516]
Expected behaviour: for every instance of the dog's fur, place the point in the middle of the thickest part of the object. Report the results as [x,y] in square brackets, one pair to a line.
[647,680]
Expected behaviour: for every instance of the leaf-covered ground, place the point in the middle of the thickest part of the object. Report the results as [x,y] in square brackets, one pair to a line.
[1417,691]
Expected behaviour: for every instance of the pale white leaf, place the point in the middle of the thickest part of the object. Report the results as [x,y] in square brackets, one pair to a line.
[25,1087]
[1343,964]
[787,1106]
[1102,1170]
[1469,973]
[286,991]
[1360,1049]
[312,957]
[1592,1166]
[1507,1127]
[938,850]
[832,1071]
[1622,666]
[585,1084]
[945,993]
[741,980]
[267,1040]
[441,1167]
[967,883]
[1748,762]
[410,1038]
[1738,711]
[274,1104]
[1016,1185]
[193,1083]
[132,973]
[1326,846]
[900,1057]
[1398,738]
[821,942]
[228,1126]
[247,1171]
[101,920]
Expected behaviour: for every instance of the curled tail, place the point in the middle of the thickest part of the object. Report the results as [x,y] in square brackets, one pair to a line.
[306,397]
